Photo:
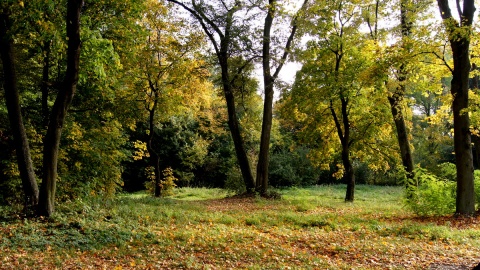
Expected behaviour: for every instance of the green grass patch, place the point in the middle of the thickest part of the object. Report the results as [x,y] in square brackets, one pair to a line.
[309,228]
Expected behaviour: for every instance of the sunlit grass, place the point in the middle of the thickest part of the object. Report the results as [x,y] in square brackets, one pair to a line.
[196,228]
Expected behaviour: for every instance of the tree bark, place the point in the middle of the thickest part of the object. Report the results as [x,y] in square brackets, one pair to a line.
[12,99]
[154,157]
[402,133]
[460,42]
[45,80]
[59,110]
[234,125]
[396,98]
[268,81]
[344,136]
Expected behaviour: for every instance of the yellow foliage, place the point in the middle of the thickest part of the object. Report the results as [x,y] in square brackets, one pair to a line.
[140,150]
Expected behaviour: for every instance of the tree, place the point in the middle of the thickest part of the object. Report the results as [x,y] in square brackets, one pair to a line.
[219,24]
[269,79]
[167,73]
[58,113]
[332,97]
[396,97]
[12,100]
[459,34]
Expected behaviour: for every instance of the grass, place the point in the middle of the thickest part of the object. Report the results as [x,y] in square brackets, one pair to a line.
[309,228]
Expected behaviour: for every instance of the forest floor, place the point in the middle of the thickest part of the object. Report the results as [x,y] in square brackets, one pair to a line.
[309,228]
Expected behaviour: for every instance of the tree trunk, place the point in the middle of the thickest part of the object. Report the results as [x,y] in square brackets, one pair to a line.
[154,157]
[12,99]
[223,52]
[402,134]
[349,176]
[59,111]
[263,157]
[465,203]
[397,97]
[460,42]
[234,126]
[347,164]
[45,80]
[268,81]
[344,136]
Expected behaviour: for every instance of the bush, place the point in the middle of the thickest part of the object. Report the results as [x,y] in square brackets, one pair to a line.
[435,194]
[167,184]
[292,168]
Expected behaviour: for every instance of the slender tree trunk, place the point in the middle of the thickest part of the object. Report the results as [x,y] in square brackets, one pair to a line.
[347,164]
[45,80]
[343,131]
[234,126]
[222,50]
[12,100]
[402,133]
[59,111]
[349,173]
[154,157]
[397,96]
[268,81]
[460,43]
[263,158]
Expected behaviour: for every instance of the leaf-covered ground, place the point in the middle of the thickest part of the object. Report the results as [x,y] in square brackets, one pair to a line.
[197,229]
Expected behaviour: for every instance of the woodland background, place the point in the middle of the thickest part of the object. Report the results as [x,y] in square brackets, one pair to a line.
[188,94]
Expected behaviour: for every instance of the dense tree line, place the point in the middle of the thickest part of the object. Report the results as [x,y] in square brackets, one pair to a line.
[101,96]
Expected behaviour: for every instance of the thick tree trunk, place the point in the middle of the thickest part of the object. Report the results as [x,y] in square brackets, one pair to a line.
[12,99]
[460,42]
[59,111]
[465,203]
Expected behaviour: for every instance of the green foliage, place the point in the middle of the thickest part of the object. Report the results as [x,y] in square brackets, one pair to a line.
[234,181]
[432,195]
[435,194]
[292,168]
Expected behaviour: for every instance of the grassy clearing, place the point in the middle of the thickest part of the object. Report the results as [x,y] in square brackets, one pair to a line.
[309,228]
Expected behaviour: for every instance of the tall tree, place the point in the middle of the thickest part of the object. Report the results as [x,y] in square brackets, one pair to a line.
[269,79]
[58,113]
[218,23]
[396,97]
[459,34]
[12,100]
[338,106]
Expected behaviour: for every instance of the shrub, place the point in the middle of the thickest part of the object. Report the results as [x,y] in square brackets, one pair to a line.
[435,194]
[167,184]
